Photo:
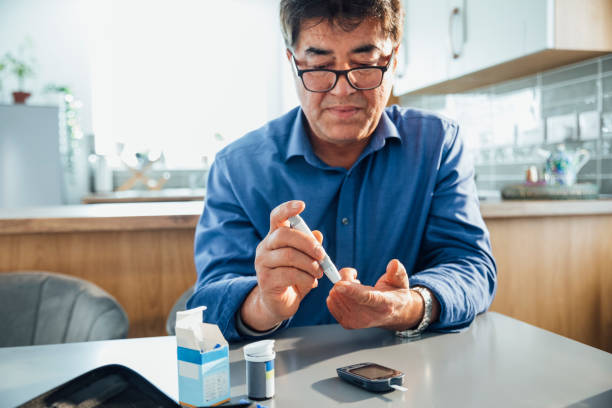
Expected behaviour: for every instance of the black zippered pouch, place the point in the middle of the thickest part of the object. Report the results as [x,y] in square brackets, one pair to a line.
[109,386]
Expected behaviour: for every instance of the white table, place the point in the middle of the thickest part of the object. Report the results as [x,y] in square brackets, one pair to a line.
[497,362]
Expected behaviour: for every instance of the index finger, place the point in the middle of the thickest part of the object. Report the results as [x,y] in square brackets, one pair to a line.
[349,274]
[359,293]
[280,215]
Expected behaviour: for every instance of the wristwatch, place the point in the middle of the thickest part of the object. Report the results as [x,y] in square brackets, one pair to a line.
[426,294]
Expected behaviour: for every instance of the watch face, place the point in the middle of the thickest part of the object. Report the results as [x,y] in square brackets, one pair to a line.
[375,372]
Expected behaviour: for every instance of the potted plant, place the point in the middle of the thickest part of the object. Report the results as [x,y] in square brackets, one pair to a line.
[22,69]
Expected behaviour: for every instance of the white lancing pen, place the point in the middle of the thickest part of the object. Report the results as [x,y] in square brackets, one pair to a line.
[328,266]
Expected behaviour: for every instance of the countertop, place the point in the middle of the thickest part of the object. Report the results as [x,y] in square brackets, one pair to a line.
[543,208]
[135,196]
[184,215]
[101,217]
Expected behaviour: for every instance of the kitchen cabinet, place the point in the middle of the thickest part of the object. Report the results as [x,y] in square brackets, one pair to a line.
[423,56]
[142,253]
[492,31]
[456,45]
[553,271]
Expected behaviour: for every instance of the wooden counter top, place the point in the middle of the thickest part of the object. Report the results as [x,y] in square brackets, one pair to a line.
[135,196]
[184,215]
[544,208]
[101,217]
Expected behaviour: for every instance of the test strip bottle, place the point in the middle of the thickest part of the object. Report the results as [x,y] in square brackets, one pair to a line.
[259,358]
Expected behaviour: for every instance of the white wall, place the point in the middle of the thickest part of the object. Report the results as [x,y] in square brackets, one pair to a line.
[164,74]
[58,29]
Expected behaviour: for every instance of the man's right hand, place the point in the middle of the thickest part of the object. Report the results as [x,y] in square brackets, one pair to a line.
[287,269]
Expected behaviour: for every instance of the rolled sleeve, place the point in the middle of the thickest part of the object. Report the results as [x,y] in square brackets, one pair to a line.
[225,243]
[455,260]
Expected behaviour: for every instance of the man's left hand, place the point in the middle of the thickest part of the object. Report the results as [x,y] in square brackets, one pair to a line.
[389,304]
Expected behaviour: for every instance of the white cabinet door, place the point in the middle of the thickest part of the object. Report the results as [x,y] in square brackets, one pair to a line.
[446,39]
[497,31]
[423,58]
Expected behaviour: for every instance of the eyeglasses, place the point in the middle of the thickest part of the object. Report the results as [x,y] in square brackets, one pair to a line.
[324,80]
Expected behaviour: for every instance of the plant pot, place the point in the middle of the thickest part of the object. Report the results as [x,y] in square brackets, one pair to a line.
[20,97]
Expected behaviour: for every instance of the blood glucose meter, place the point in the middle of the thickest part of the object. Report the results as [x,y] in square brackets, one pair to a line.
[372,377]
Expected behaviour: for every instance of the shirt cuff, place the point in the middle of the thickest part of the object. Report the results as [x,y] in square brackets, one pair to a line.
[446,323]
[245,330]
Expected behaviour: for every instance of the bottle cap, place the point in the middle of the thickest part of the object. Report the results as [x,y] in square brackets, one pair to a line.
[260,351]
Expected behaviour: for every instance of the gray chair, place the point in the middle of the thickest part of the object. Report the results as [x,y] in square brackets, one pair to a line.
[179,305]
[49,308]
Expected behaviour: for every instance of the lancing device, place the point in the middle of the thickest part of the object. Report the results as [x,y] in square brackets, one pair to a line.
[328,266]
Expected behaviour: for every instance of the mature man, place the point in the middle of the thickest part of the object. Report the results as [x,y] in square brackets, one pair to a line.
[390,191]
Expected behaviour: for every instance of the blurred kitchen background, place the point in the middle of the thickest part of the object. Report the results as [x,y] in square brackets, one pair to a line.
[507,126]
[129,98]
[122,87]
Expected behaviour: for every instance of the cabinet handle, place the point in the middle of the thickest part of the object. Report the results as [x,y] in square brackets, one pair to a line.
[455,12]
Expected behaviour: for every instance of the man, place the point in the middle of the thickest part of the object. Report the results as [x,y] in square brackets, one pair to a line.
[390,191]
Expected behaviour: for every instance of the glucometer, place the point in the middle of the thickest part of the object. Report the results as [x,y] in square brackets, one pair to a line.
[326,264]
[372,377]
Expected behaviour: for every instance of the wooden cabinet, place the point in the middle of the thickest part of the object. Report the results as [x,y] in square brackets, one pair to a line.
[457,45]
[142,254]
[555,272]
[553,258]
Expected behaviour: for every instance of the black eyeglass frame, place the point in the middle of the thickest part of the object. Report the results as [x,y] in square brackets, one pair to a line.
[300,73]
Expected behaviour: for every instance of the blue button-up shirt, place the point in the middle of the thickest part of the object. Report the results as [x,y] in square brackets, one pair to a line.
[410,195]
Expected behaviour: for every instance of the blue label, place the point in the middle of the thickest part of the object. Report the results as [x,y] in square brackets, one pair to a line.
[195,357]
[270,365]
[189,355]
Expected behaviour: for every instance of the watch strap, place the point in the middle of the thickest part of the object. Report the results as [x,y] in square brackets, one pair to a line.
[426,321]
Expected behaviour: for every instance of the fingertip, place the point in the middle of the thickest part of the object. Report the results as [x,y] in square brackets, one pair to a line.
[280,214]
[348,274]
[392,266]
[318,235]
[297,205]
[400,269]
[396,272]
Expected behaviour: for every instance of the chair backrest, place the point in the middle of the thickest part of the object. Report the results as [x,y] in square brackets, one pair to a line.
[179,305]
[48,308]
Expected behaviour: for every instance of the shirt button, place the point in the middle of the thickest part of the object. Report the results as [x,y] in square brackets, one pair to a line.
[345,221]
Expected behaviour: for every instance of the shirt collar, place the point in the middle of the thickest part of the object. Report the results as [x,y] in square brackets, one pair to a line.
[299,144]
[385,130]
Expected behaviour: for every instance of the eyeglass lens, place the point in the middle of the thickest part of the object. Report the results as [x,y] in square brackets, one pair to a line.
[362,78]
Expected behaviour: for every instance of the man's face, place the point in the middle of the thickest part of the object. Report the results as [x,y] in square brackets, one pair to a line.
[343,115]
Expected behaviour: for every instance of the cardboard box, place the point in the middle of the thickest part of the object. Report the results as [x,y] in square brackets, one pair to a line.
[203,361]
